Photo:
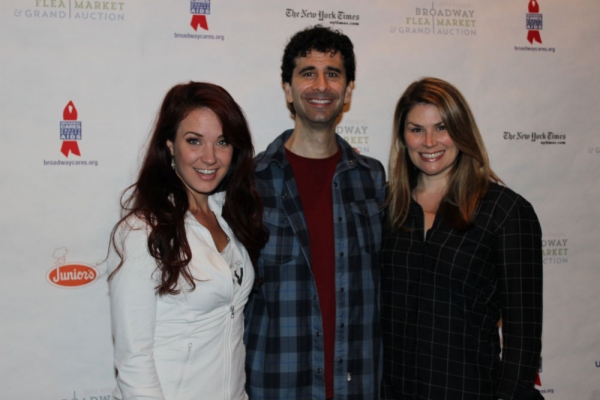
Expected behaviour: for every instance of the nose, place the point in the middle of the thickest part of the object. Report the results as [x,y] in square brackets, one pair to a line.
[320,83]
[208,156]
[430,139]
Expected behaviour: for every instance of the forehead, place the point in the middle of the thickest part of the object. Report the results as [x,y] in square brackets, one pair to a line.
[200,120]
[423,111]
[319,59]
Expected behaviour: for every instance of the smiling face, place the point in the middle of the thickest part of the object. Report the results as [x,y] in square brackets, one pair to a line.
[318,89]
[202,155]
[429,144]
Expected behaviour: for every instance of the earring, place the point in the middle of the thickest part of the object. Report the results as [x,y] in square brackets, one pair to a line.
[173,162]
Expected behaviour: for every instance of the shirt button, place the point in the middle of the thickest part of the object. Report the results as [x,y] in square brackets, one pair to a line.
[342,289]
[339,219]
[315,297]
[342,325]
[340,361]
[335,184]
[319,370]
[318,334]
[341,254]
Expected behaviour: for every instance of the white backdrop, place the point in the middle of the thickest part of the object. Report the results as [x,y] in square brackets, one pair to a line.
[115,60]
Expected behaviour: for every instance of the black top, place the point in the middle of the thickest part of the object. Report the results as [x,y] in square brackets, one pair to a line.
[444,295]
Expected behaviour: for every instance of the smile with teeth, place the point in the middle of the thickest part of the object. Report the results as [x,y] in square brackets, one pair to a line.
[205,171]
[432,156]
[319,101]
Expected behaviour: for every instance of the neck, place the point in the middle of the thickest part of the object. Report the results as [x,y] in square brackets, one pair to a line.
[432,184]
[312,143]
[198,204]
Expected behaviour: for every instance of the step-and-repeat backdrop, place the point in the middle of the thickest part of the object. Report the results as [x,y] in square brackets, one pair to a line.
[81,81]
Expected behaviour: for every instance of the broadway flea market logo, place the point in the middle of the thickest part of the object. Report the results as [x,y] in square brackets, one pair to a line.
[72,9]
[434,20]
[331,16]
[355,133]
[541,138]
[555,250]
[70,275]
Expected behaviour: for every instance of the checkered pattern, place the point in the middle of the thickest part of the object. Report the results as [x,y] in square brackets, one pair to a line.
[442,299]
[283,338]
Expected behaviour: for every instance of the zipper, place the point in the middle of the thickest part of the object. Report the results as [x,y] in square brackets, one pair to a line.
[189,352]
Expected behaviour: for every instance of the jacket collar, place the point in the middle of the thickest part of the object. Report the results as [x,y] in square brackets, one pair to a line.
[275,153]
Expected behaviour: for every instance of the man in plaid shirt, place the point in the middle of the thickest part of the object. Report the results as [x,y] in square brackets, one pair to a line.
[312,328]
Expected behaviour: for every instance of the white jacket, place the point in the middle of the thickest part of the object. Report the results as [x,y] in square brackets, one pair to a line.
[187,346]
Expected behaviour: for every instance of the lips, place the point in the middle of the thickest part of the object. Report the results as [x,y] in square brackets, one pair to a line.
[432,156]
[319,101]
[205,171]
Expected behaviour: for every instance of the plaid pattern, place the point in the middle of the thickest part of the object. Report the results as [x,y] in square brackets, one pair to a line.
[283,334]
[442,299]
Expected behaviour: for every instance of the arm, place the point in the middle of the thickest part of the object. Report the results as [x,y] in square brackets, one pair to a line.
[133,314]
[519,266]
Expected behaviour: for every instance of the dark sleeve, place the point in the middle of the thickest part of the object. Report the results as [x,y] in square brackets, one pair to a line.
[519,254]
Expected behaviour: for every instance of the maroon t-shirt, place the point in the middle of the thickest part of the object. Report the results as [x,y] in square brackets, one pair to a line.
[314,177]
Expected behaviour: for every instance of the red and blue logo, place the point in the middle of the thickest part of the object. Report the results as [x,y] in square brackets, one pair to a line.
[199,10]
[70,131]
[534,22]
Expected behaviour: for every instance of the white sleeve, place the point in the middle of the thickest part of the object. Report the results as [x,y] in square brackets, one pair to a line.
[133,303]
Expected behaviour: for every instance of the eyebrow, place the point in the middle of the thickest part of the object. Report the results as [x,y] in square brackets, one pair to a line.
[420,126]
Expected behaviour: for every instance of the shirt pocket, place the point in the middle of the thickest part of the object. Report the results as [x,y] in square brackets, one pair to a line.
[282,246]
[367,217]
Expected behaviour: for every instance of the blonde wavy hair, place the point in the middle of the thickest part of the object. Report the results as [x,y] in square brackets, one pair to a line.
[471,173]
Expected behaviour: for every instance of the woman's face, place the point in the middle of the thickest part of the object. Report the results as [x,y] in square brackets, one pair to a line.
[202,155]
[429,145]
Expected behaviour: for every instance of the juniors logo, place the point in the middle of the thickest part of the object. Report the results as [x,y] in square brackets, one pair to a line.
[435,20]
[69,275]
[72,9]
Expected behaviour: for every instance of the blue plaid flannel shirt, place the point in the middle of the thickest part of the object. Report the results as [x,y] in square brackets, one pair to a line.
[283,337]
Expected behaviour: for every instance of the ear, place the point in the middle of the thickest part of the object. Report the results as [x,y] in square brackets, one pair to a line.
[170,146]
[287,88]
[348,94]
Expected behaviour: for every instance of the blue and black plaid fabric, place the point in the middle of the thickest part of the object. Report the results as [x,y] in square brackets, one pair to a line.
[284,341]
[442,298]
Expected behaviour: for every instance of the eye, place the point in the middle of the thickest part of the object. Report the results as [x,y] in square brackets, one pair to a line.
[332,74]
[193,141]
[223,142]
[415,130]
[441,127]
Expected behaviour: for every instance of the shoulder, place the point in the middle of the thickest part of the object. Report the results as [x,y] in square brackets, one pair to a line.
[274,153]
[504,204]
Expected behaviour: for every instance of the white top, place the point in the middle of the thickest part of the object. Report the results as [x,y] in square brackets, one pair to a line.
[187,346]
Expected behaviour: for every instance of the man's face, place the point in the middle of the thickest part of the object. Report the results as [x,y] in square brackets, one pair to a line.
[319,89]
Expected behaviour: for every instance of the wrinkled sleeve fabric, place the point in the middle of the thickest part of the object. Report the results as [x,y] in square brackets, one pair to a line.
[520,268]
[133,302]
